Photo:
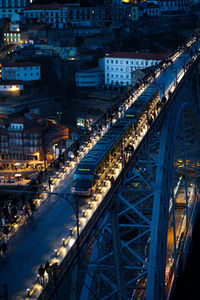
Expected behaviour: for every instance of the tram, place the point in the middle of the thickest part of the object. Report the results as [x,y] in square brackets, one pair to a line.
[96,165]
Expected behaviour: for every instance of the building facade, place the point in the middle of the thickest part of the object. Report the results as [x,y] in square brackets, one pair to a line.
[60,15]
[21,141]
[150,9]
[134,14]
[89,78]
[13,87]
[24,71]
[170,6]
[11,7]
[28,139]
[119,66]
[16,37]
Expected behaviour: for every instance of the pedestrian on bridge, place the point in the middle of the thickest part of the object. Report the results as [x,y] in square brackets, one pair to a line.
[6,232]
[4,248]
[23,198]
[6,212]
[50,182]
[32,207]
[41,274]
[112,179]
[3,221]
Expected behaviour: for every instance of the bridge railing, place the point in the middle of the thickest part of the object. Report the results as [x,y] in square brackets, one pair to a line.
[50,289]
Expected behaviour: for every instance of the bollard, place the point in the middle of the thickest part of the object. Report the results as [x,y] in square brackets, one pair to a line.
[63,242]
[28,293]
[56,252]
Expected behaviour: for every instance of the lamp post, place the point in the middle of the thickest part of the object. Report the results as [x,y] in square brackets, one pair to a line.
[5,291]
[59,113]
[75,208]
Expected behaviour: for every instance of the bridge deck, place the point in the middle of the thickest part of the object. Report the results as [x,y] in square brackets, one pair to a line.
[35,242]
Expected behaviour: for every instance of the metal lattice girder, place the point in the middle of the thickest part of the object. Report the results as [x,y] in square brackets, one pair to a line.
[130,251]
[127,255]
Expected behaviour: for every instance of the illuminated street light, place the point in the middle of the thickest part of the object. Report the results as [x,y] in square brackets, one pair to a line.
[28,292]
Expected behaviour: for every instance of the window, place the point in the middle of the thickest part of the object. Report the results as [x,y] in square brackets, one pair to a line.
[116,61]
[25,74]
[121,62]
[127,62]
[111,61]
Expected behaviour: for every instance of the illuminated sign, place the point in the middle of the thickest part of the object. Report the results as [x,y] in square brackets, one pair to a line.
[83,169]
[130,115]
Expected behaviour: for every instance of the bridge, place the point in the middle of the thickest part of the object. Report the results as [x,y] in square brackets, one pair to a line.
[131,239]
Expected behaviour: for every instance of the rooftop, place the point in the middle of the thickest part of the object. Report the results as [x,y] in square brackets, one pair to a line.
[141,55]
[26,118]
[20,64]
[49,6]
[10,82]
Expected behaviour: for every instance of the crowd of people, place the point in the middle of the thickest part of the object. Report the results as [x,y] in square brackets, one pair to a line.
[46,272]
[10,212]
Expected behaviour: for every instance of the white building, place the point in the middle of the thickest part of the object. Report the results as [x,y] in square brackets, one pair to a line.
[167,6]
[11,86]
[119,66]
[11,7]
[24,71]
[89,78]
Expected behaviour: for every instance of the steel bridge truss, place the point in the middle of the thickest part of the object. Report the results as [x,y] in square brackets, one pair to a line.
[136,248]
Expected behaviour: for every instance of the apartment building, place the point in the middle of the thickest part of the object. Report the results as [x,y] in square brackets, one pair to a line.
[28,139]
[120,66]
[24,71]
[16,37]
[60,15]
[10,7]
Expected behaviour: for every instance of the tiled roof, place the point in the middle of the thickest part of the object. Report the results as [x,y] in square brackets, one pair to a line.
[141,55]
[49,6]
[26,118]
[20,64]
[10,82]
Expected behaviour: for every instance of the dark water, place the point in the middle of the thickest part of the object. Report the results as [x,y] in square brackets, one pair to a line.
[188,284]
